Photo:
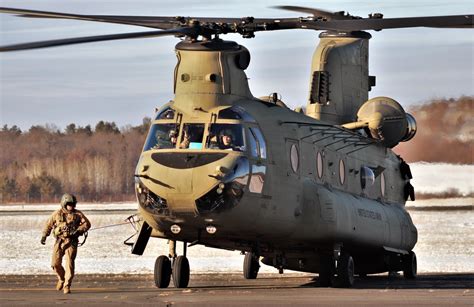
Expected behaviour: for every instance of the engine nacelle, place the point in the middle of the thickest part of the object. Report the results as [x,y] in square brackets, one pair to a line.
[385,119]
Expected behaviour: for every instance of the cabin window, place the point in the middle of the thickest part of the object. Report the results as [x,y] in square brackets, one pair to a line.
[367,177]
[226,137]
[167,113]
[382,184]
[192,136]
[162,136]
[294,158]
[237,113]
[319,165]
[342,171]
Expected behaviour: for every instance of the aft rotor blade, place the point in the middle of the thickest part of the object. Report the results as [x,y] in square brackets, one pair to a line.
[455,21]
[89,39]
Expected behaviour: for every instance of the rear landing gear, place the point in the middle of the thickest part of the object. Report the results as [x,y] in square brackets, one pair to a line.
[251,266]
[409,266]
[337,272]
[344,271]
[178,267]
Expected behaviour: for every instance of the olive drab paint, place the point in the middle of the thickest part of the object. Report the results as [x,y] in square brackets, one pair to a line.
[316,190]
[296,214]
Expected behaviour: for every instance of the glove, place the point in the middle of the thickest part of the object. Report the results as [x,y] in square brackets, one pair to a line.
[43,240]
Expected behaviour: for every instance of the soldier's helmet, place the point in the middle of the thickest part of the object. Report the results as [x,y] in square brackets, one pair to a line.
[173,134]
[227,132]
[68,199]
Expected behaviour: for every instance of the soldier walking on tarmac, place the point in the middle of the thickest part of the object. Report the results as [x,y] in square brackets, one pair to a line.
[67,225]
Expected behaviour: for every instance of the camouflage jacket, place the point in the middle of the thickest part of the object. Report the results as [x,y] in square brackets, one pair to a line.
[65,224]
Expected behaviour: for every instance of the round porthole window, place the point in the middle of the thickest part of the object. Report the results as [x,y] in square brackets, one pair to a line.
[342,172]
[382,184]
[367,177]
[319,164]
[294,159]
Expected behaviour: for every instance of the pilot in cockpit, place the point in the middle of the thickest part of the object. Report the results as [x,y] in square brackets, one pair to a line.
[226,141]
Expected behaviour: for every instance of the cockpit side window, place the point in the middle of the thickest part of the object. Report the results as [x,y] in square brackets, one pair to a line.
[257,143]
[226,137]
[167,113]
[192,136]
[260,141]
[162,136]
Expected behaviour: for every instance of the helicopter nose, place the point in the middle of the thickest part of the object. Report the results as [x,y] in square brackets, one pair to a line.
[186,183]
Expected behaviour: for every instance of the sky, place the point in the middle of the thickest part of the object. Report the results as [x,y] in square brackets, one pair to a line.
[124,81]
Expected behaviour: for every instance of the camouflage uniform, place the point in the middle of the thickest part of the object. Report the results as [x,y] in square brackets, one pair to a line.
[67,226]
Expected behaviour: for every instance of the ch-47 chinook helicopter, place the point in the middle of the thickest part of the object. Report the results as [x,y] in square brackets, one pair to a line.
[318,190]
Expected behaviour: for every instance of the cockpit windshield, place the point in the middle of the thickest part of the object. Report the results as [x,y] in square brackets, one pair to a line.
[226,136]
[193,137]
[162,136]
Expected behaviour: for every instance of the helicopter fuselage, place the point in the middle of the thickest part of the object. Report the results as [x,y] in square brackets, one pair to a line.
[290,188]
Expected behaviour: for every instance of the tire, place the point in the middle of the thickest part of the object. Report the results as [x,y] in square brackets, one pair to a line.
[251,266]
[345,271]
[162,273]
[410,266]
[326,269]
[181,272]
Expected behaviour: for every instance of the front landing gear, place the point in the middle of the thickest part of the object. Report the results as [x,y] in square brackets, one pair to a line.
[162,273]
[178,267]
[181,272]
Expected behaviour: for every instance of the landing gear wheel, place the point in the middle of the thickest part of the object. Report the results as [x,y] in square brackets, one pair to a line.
[162,273]
[181,272]
[409,266]
[326,265]
[251,266]
[345,271]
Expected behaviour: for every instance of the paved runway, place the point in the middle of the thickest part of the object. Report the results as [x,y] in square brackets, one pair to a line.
[233,289]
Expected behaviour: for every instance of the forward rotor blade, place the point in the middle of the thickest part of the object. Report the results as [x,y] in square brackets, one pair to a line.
[456,21]
[152,22]
[98,38]
[316,12]
[157,22]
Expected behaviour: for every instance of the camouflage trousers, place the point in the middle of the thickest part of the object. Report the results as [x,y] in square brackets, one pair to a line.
[68,249]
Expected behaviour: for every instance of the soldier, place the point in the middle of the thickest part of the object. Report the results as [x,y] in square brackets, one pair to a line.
[67,224]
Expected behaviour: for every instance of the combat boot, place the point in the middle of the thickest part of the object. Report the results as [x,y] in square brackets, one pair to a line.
[67,290]
[59,285]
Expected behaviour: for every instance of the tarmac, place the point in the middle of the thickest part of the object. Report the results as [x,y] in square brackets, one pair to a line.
[233,290]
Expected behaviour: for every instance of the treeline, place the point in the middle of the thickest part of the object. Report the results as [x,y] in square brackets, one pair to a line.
[445,132]
[96,164]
